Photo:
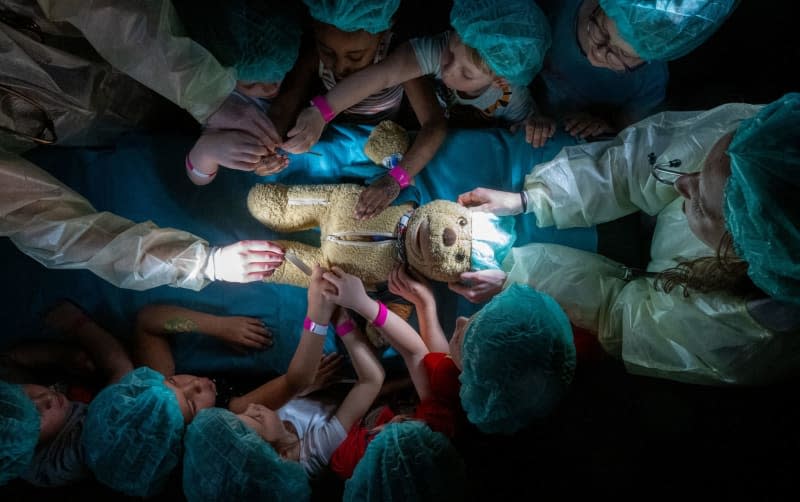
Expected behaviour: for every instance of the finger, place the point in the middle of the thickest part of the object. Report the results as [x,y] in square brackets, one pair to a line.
[241,166]
[264,126]
[297,141]
[529,130]
[537,137]
[260,330]
[259,342]
[261,245]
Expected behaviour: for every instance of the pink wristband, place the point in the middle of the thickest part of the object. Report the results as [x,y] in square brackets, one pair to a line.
[345,328]
[191,169]
[383,313]
[317,329]
[400,175]
[324,108]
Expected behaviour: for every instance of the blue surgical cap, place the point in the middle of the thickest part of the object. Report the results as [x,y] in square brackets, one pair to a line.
[226,460]
[408,462]
[260,43]
[518,360]
[662,30]
[512,36]
[132,435]
[761,208]
[19,431]
[373,16]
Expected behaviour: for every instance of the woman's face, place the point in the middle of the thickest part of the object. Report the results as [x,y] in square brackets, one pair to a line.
[457,340]
[600,41]
[269,426]
[194,394]
[704,191]
[53,408]
[345,52]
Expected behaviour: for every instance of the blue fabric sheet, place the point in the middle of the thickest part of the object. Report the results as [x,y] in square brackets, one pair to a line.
[142,178]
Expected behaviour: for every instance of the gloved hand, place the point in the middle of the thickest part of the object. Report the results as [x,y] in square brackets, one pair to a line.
[480,286]
[492,201]
[243,261]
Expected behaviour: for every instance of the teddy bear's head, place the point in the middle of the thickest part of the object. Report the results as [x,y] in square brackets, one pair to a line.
[438,240]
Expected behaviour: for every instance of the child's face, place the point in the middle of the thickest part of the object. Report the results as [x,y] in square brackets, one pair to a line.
[269,426]
[457,340]
[265,90]
[53,408]
[193,393]
[345,52]
[459,72]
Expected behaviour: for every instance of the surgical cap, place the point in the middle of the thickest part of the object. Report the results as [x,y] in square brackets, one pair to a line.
[132,435]
[662,30]
[761,208]
[226,460]
[19,431]
[512,36]
[260,43]
[373,16]
[408,462]
[518,360]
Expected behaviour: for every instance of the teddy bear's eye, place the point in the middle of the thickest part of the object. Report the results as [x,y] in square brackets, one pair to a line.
[462,221]
[460,257]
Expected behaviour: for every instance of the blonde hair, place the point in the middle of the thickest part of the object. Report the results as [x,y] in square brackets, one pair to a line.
[724,272]
[476,59]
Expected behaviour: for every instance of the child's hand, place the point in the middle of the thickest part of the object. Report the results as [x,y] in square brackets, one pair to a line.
[538,129]
[584,125]
[349,290]
[306,131]
[320,303]
[233,149]
[272,163]
[244,333]
[410,286]
[376,197]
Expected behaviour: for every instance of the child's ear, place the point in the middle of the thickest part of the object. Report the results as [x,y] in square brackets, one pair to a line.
[499,82]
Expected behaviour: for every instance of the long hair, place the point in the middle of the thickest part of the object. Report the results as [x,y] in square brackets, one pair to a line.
[724,272]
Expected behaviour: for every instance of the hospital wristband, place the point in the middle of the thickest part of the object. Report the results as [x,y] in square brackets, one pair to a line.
[191,169]
[380,319]
[400,175]
[346,327]
[317,329]
[324,108]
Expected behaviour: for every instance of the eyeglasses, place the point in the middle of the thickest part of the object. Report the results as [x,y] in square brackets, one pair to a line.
[613,55]
[661,171]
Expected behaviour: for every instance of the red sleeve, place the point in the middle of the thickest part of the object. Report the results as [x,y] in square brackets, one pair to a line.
[442,410]
[587,347]
[346,456]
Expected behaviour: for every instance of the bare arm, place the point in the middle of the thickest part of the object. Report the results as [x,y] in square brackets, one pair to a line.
[433,125]
[370,375]
[417,290]
[295,91]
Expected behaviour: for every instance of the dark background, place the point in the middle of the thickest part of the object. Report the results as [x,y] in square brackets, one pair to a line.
[619,435]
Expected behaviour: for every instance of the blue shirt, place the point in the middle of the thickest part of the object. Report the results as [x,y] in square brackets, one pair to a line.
[569,83]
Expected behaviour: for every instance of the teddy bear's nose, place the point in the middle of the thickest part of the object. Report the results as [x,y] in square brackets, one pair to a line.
[449,237]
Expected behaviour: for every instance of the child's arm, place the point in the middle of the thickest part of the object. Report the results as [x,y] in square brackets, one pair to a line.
[418,291]
[233,149]
[107,352]
[368,370]
[401,336]
[303,367]
[433,129]
[398,67]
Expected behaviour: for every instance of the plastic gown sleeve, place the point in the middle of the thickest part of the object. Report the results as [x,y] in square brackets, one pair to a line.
[145,40]
[703,339]
[60,229]
[596,182]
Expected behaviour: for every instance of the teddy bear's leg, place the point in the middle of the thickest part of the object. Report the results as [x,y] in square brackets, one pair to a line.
[288,272]
[289,208]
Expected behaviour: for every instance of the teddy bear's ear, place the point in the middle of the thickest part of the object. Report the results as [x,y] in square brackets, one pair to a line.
[386,139]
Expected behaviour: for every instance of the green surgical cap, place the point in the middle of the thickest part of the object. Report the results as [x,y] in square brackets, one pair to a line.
[762,210]
[19,431]
[662,30]
[226,460]
[512,36]
[373,16]
[260,40]
[518,360]
[408,462]
[132,435]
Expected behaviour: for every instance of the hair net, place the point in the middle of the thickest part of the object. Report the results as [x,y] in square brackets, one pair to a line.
[373,16]
[132,435]
[667,29]
[261,41]
[19,431]
[518,360]
[226,460]
[761,208]
[408,462]
[512,36]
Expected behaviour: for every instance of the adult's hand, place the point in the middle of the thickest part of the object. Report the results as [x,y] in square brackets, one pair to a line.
[492,201]
[480,286]
[237,113]
[244,261]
